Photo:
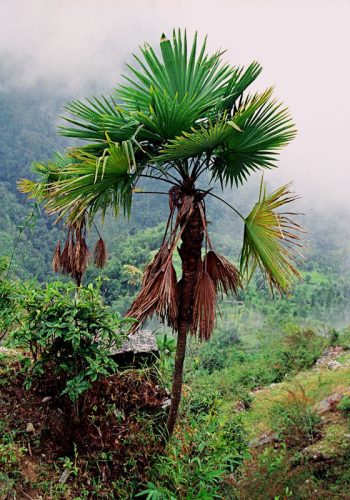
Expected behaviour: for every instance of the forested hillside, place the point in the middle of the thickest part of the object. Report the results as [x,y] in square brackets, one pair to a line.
[28,133]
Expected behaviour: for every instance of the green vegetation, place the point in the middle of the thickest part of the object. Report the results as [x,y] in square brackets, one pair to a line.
[258,418]
[67,333]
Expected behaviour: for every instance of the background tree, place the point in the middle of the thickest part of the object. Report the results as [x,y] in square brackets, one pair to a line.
[179,114]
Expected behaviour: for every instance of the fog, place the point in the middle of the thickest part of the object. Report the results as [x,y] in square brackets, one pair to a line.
[79,47]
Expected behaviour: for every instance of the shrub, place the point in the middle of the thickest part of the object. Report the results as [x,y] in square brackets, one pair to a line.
[269,362]
[344,338]
[69,334]
[268,474]
[301,348]
[8,309]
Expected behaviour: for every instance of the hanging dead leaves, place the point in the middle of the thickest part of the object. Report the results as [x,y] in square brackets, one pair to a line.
[75,255]
[161,291]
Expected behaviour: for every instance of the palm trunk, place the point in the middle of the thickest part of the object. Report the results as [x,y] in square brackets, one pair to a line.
[190,253]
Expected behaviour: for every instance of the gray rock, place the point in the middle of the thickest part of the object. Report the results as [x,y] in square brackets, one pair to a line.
[64,476]
[334,365]
[140,348]
[266,438]
[166,403]
[328,404]
[30,427]
[139,342]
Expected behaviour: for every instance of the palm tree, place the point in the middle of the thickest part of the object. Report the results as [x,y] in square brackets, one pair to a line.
[179,114]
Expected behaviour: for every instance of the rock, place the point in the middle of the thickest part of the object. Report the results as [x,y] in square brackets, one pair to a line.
[329,355]
[334,365]
[64,476]
[140,349]
[46,399]
[166,403]
[266,438]
[30,427]
[328,404]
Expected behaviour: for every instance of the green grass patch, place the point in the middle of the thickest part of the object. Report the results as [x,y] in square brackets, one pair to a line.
[318,384]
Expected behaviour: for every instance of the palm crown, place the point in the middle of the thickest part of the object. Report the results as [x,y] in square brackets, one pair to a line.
[180,113]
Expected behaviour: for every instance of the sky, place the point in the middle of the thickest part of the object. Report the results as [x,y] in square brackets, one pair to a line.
[303,45]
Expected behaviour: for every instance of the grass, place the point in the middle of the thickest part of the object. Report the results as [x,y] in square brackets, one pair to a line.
[318,384]
[344,358]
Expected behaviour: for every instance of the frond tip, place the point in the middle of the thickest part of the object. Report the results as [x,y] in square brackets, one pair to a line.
[270,238]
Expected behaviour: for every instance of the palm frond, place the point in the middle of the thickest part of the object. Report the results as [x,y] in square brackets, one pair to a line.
[241,79]
[204,306]
[158,295]
[100,253]
[270,238]
[199,141]
[48,173]
[223,273]
[91,120]
[86,184]
[266,127]
[169,93]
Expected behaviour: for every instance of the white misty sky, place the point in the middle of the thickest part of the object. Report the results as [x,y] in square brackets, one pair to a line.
[302,45]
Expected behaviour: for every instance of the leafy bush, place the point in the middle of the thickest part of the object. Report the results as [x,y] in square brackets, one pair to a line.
[69,334]
[344,338]
[268,474]
[10,453]
[8,310]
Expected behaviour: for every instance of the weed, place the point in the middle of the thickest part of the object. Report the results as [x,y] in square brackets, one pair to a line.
[294,419]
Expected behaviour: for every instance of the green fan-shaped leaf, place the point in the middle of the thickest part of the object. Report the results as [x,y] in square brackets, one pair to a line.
[86,184]
[239,82]
[203,140]
[269,238]
[93,118]
[266,127]
[168,93]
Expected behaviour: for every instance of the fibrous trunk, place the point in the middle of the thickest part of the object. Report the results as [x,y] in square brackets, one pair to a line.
[190,253]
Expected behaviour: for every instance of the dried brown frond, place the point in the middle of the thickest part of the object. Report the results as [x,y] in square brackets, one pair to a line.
[204,307]
[175,197]
[56,260]
[156,264]
[146,301]
[66,255]
[100,254]
[158,296]
[223,273]
[186,207]
[80,256]
[75,254]
[167,302]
